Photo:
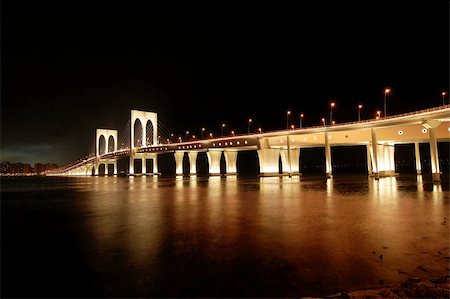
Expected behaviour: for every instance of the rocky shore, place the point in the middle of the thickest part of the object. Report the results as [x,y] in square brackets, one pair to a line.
[413,287]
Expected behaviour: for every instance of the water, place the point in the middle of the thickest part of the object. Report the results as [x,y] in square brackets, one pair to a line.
[218,237]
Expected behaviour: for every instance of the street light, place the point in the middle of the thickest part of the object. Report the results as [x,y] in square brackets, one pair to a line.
[210,135]
[248,127]
[201,135]
[179,139]
[187,133]
[443,97]
[331,111]
[288,113]
[232,132]
[193,137]
[359,112]
[386,91]
[378,114]
[292,127]
[223,126]
[259,130]
[323,121]
[301,119]
[333,123]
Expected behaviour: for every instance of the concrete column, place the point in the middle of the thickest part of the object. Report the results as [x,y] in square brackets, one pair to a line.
[435,169]
[374,153]
[106,167]
[418,162]
[293,156]
[155,164]
[268,161]
[144,164]
[131,168]
[392,157]
[214,162]
[231,161]
[284,161]
[179,162]
[193,162]
[369,159]
[328,166]
[115,167]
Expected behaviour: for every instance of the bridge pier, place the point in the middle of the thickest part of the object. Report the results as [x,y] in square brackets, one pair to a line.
[290,161]
[369,160]
[268,161]
[417,154]
[193,162]
[144,164]
[328,165]
[231,162]
[435,169]
[214,161]
[178,162]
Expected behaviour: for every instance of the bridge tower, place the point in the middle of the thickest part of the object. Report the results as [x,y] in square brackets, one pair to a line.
[143,133]
[105,142]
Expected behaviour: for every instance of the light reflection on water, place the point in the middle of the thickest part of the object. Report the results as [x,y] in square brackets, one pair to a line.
[233,237]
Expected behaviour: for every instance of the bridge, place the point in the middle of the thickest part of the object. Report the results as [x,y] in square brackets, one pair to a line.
[379,136]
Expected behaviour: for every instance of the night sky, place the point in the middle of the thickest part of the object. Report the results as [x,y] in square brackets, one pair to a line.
[69,67]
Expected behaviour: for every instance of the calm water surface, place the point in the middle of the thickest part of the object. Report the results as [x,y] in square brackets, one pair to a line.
[218,237]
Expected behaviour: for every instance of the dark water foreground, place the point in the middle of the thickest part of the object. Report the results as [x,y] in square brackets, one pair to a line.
[218,237]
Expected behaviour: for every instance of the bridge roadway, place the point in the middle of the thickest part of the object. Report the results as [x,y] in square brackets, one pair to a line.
[378,135]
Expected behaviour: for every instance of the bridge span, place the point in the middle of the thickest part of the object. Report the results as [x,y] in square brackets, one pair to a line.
[379,136]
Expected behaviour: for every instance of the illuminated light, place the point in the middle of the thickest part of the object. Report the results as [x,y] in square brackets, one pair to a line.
[226,143]
[245,141]
[199,145]
[333,104]
[220,144]
[214,144]
[231,143]
[360,106]
[238,142]
[425,130]
[448,129]
[387,90]
[400,132]
[195,146]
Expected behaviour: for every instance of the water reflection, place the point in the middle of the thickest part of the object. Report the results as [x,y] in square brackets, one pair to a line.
[270,236]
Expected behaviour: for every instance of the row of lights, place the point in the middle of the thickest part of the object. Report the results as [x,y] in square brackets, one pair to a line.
[230,143]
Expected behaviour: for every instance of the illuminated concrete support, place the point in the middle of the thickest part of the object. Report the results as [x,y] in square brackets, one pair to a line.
[214,162]
[131,167]
[192,162]
[179,162]
[231,161]
[115,167]
[144,164]
[374,155]
[155,164]
[435,169]
[106,133]
[96,168]
[418,162]
[293,167]
[328,166]
[268,161]
[369,159]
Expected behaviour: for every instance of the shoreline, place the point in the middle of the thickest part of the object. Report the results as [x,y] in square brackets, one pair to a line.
[412,287]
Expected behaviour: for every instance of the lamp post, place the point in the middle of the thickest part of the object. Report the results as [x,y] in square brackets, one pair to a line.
[323,121]
[359,112]
[301,119]
[248,127]
[292,127]
[187,133]
[223,126]
[210,135]
[331,111]
[259,130]
[378,114]
[386,91]
[201,134]
[443,97]
[232,132]
[288,113]
[179,139]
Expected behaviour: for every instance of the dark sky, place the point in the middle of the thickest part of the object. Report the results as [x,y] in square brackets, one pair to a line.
[69,67]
